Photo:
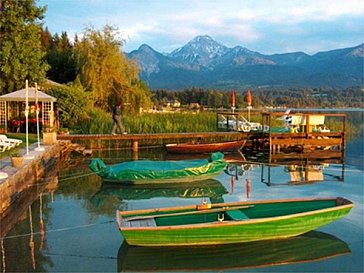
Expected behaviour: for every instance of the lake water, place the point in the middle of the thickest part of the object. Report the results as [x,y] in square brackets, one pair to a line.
[67,222]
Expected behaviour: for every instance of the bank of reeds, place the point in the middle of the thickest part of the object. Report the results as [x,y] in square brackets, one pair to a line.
[101,123]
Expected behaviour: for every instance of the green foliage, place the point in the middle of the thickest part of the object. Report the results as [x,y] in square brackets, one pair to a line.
[99,122]
[106,72]
[71,103]
[262,97]
[21,53]
[60,56]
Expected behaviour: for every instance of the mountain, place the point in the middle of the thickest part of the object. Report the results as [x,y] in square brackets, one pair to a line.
[203,62]
[201,50]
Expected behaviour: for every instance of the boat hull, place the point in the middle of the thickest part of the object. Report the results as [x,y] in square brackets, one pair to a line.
[182,148]
[229,232]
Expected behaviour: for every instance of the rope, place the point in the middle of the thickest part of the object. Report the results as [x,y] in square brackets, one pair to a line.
[80,256]
[75,177]
[57,230]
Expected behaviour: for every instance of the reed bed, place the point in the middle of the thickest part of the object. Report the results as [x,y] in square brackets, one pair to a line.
[101,123]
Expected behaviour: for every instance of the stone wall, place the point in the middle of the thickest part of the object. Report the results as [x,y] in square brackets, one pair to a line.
[27,176]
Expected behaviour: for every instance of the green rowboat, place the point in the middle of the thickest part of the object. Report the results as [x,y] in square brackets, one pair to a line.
[227,223]
[149,171]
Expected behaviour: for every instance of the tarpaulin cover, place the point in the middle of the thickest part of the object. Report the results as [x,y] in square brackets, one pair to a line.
[159,170]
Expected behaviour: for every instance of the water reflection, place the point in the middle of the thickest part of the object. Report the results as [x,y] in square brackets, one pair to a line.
[300,173]
[72,234]
[24,231]
[211,188]
[23,202]
[305,248]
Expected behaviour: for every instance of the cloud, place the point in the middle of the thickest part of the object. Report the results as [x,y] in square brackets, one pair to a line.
[165,25]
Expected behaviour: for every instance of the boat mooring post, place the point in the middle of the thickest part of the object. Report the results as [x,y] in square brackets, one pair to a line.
[135,146]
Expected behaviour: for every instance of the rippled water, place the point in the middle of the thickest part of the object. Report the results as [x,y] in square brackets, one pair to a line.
[67,223]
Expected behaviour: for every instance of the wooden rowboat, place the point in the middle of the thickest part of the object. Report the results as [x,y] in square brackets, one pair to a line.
[226,223]
[182,148]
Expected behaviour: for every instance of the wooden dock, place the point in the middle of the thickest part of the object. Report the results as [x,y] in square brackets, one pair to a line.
[306,140]
[104,141]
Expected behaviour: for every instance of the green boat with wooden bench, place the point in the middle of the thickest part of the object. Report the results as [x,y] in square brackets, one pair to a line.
[228,223]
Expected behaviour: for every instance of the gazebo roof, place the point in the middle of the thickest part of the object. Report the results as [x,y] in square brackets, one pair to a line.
[21,94]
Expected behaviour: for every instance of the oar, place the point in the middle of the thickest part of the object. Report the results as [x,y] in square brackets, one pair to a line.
[187,213]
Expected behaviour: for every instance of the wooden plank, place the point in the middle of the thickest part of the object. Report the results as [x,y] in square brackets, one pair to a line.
[315,141]
[149,222]
[187,213]
[234,135]
[125,223]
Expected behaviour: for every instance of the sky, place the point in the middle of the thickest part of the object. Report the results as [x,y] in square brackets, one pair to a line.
[265,26]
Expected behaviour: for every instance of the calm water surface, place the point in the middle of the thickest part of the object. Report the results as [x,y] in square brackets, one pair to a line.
[67,223]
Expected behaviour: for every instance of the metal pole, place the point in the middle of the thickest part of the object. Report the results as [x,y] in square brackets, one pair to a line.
[26,115]
[37,117]
[27,156]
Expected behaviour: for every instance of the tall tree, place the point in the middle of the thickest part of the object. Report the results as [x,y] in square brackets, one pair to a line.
[21,53]
[107,73]
[62,60]
[46,38]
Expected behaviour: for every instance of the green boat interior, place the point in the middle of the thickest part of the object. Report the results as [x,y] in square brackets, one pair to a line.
[232,213]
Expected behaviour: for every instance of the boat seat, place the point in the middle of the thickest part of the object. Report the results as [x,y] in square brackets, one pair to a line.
[237,215]
[140,223]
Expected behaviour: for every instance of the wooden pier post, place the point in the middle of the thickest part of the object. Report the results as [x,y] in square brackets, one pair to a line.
[135,155]
[135,146]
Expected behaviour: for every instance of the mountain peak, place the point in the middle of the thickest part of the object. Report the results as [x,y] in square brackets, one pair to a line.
[145,47]
[201,50]
[202,38]
[207,63]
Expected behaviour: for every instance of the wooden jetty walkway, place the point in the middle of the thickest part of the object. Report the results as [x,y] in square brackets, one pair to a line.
[100,141]
[304,140]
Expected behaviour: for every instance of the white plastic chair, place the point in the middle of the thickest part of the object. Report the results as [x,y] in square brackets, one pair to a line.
[5,146]
[12,141]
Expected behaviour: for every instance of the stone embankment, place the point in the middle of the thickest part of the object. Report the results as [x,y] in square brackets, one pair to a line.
[35,165]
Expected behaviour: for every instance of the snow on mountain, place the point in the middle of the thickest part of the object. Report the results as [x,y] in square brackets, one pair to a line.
[201,50]
[205,62]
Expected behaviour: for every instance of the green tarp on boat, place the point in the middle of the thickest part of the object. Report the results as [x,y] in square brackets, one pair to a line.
[149,171]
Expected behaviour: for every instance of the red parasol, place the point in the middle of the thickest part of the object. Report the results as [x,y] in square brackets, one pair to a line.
[249,98]
[233,99]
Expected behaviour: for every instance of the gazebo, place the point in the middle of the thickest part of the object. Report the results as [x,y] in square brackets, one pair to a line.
[12,108]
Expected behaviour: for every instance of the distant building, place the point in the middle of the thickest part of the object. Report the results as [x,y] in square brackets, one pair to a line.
[195,105]
[176,104]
